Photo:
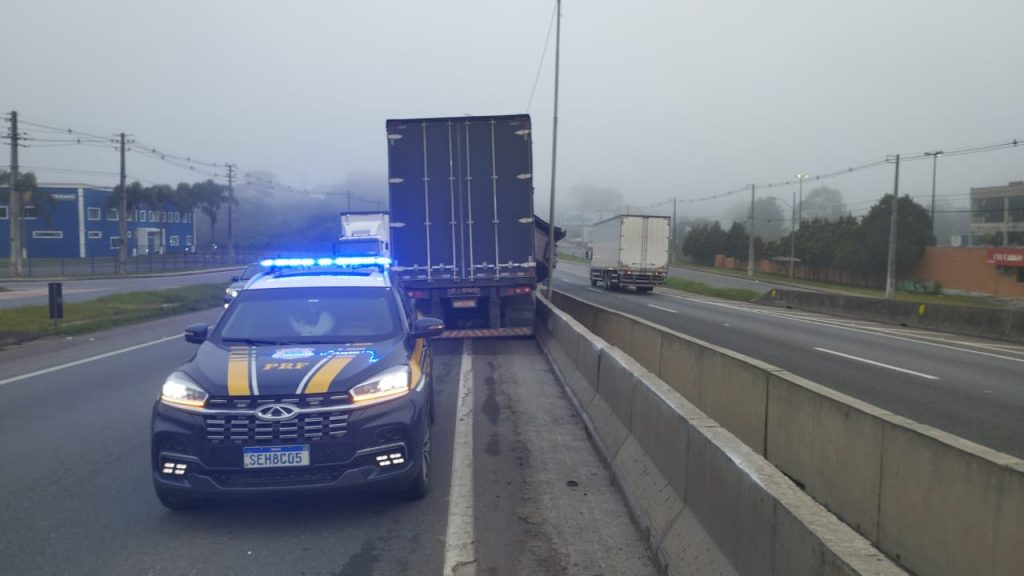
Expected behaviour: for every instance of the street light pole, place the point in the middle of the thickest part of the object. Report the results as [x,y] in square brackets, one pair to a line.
[792,236]
[935,164]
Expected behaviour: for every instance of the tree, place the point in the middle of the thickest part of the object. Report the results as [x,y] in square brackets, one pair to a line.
[209,196]
[703,242]
[29,195]
[770,221]
[823,202]
[913,234]
[737,242]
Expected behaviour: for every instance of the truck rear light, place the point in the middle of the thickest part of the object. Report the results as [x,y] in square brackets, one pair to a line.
[516,291]
[418,294]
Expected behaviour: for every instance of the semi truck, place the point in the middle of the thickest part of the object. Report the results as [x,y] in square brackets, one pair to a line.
[462,222]
[365,234]
[630,250]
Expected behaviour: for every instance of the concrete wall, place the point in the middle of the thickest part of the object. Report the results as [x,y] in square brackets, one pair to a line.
[967,270]
[936,503]
[972,321]
[708,503]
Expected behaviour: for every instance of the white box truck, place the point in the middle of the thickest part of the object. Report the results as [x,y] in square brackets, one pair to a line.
[630,250]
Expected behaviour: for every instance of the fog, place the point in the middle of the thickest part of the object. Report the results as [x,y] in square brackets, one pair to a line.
[658,99]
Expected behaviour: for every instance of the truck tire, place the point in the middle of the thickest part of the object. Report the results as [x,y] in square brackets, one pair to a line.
[644,289]
[593,282]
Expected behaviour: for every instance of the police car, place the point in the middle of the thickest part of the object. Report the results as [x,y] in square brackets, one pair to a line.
[317,378]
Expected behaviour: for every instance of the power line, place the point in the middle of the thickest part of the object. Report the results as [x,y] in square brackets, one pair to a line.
[543,54]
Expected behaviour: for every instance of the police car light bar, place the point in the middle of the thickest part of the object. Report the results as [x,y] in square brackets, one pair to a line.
[333,261]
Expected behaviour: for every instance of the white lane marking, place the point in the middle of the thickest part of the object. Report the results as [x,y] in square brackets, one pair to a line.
[876,331]
[87,360]
[459,552]
[665,309]
[873,363]
[599,290]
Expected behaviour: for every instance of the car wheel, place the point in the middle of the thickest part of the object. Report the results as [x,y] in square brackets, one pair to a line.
[420,486]
[176,502]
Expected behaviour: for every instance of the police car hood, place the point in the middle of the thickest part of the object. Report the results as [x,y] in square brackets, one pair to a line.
[271,370]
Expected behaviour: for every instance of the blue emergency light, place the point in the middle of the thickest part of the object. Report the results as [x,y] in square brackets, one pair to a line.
[339,261]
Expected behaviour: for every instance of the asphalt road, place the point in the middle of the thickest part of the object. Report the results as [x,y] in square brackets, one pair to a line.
[531,497]
[969,387]
[29,292]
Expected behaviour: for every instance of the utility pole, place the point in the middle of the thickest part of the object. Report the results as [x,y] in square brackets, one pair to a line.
[554,152]
[750,249]
[15,210]
[123,216]
[231,201]
[674,223]
[890,278]
[935,164]
[792,235]
[348,196]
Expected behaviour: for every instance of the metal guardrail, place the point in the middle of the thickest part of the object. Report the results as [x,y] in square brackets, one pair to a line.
[109,265]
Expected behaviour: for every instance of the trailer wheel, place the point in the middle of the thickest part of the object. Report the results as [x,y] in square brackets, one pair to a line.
[593,282]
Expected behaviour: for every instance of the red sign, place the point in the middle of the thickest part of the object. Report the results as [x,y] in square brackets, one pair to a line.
[1005,256]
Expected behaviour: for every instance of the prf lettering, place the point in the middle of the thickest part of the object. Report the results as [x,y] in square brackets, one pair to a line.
[285,365]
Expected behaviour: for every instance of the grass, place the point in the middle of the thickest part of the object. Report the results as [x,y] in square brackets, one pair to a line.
[740,294]
[571,258]
[26,323]
[976,301]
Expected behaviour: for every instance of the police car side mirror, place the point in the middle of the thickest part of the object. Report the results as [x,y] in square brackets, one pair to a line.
[427,328]
[196,333]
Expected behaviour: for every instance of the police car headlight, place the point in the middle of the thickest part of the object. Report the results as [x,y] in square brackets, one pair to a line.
[180,389]
[389,384]
[231,292]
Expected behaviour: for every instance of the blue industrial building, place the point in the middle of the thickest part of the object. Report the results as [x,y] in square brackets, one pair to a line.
[82,222]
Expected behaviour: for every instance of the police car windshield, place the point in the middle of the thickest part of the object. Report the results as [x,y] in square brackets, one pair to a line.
[321,314]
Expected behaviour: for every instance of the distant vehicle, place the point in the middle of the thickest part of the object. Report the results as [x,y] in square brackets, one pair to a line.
[630,250]
[462,222]
[365,233]
[239,282]
[317,378]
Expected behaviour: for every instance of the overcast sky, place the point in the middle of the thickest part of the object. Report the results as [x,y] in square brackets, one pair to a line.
[658,98]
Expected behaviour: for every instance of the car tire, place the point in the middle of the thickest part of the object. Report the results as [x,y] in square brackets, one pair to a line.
[175,502]
[420,486]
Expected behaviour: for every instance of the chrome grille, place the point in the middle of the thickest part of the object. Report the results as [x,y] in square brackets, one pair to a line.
[248,429]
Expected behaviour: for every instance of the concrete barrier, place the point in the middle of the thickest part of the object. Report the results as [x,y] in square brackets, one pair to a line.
[998,323]
[707,502]
[939,504]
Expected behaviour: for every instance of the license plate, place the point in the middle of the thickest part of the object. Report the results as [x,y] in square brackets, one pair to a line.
[275,456]
[469,303]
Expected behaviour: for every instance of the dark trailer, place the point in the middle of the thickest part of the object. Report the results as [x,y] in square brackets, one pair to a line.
[462,224]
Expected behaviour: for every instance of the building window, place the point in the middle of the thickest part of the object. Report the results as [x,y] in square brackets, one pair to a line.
[174,240]
[130,232]
[94,213]
[177,217]
[29,212]
[112,214]
[3,213]
[163,216]
[152,216]
[48,234]
[188,240]
[115,242]
[131,216]
[95,234]
[142,215]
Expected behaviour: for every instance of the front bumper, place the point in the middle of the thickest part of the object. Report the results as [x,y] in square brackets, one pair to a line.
[347,462]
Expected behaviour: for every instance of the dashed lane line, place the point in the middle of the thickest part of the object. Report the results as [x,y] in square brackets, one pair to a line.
[879,364]
[87,360]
